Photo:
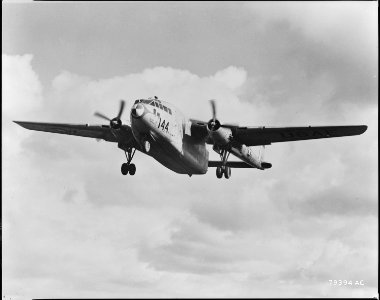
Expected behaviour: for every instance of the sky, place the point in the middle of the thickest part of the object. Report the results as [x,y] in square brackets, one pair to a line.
[73,226]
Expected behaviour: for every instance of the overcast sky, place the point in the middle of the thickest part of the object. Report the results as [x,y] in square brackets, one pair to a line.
[73,226]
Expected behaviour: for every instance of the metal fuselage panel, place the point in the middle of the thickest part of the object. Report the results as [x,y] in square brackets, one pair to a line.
[163,126]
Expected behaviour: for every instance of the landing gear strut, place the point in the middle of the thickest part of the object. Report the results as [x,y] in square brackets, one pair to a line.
[224,154]
[128,167]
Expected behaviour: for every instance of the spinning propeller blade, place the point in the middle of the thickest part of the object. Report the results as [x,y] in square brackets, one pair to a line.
[213,107]
[122,103]
[102,116]
[115,123]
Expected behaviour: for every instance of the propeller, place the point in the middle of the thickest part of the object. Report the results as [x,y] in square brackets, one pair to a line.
[115,123]
[214,123]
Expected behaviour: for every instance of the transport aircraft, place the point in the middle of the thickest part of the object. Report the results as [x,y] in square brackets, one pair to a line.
[160,130]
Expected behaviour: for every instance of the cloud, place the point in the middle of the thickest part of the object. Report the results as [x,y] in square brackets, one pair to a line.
[232,77]
[323,52]
[326,22]
[20,85]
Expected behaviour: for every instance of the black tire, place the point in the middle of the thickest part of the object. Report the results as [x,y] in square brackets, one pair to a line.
[124,169]
[132,169]
[219,172]
[227,172]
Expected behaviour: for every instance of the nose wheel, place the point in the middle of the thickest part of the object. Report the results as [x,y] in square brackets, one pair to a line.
[128,167]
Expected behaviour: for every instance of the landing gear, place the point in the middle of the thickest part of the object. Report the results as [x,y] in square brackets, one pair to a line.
[227,172]
[219,172]
[223,170]
[132,169]
[124,169]
[128,167]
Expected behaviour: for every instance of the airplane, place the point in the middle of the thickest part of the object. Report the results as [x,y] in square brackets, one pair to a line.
[160,130]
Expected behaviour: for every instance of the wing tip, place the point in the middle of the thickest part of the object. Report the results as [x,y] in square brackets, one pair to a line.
[362,129]
[24,124]
[19,123]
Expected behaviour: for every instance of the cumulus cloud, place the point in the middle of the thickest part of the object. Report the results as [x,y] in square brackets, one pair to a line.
[21,85]
[317,56]
[232,77]
[333,23]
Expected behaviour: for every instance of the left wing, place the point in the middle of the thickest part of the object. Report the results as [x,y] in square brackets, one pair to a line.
[92,131]
[251,136]
[256,136]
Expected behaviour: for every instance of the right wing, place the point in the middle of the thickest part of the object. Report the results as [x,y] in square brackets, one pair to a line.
[92,131]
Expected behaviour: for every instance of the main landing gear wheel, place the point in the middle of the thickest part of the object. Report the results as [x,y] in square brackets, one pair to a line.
[128,167]
[124,169]
[223,169]
[219,172]
[132,169]
[227,172]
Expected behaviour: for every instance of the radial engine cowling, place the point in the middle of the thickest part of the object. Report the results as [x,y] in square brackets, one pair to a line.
[221,136]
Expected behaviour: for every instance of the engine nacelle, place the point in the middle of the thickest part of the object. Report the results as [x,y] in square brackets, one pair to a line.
[222,136]
[247,154]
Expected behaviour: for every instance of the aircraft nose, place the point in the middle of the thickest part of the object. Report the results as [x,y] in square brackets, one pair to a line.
[137,110]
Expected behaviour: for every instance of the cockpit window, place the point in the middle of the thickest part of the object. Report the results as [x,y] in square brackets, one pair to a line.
[156,103]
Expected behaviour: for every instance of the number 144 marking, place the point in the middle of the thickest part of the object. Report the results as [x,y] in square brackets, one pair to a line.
[162,125]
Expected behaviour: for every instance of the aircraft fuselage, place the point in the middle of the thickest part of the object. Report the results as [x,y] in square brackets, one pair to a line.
[163,126]
[172,144]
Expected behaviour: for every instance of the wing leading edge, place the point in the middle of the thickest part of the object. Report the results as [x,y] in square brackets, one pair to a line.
[92,131]
[266,135]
